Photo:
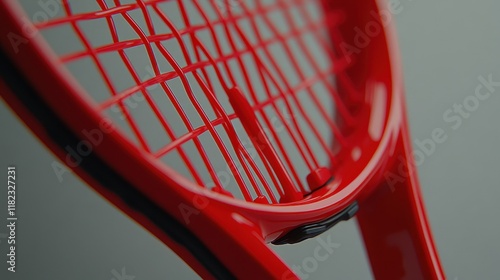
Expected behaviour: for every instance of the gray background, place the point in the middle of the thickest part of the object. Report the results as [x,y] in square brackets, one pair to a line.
[66,231]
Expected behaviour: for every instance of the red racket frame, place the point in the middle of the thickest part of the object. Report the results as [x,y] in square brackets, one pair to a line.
[392,220]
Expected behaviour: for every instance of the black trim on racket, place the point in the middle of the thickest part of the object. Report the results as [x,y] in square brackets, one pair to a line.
[107,177]
[304,232]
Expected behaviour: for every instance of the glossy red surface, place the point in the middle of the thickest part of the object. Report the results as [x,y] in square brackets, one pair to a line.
[391,217]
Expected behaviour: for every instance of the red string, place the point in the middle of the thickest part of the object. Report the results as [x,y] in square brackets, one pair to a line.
[253,175]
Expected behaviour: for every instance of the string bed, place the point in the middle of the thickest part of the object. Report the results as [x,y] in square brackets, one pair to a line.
[185,81]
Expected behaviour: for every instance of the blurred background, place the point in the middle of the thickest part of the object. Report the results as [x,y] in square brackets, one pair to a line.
[67,231]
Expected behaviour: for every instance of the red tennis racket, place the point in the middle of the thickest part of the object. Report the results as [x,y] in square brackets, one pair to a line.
[222,125]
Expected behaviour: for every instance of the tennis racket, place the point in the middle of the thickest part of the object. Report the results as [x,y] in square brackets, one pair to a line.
[221,125]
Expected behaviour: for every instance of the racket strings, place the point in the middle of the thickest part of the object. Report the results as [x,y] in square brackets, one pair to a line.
[276,52]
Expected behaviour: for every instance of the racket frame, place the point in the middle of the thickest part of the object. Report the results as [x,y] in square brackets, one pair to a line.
[392,221]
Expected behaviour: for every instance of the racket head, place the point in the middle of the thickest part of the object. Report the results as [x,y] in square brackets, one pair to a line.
[376,118]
